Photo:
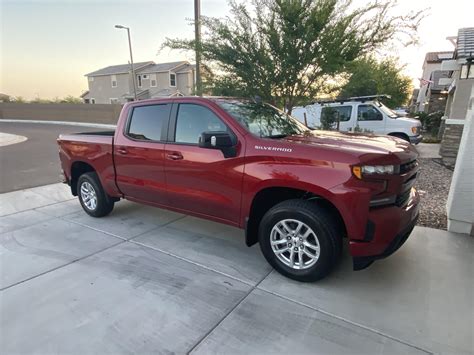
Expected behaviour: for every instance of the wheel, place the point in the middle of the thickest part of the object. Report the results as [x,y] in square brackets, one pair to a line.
[94,200]
[300,240]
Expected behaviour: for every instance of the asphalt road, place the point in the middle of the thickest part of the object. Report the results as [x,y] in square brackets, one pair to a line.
[34,162]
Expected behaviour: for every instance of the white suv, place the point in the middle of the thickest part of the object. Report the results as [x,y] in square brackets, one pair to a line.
[364,114]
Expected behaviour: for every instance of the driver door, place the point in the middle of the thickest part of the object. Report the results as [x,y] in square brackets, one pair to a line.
[201,181]
[370,119]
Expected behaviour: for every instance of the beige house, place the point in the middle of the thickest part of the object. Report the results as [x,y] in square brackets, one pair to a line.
[114,84]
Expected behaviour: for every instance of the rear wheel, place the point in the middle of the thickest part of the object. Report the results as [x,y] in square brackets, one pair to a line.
[300,240]
[94,200]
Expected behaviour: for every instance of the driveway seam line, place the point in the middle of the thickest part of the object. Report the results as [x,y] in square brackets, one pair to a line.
[205,336]
[61,266]
[34,208]
[194,263]
[329,314]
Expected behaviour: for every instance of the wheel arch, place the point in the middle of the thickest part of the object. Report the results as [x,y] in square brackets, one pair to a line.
[78,168]
[401,135]
[268,197]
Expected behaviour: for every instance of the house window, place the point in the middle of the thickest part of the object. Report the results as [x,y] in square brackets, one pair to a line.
[172,79]
[139,81]
[92,101]
[153,80]
[467,71]
[114,100]
[113,79]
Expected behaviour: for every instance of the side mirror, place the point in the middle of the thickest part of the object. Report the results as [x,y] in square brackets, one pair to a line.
[218,140]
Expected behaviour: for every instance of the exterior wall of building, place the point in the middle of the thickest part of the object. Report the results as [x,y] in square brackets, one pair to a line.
[461,98]
[428,68]
[101,90]
[460,205]
[185,83]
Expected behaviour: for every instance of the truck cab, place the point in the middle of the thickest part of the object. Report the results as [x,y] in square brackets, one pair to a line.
[360,114]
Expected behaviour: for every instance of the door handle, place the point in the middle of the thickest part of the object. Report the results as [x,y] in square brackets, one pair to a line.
[122,151]
[174,156]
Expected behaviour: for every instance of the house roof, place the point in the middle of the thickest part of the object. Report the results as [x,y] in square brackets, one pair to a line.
[437,57]
[163,67]
[119,69]
[186,68]
[465,42]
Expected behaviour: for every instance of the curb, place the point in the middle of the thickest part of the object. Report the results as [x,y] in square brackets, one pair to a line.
[79,124]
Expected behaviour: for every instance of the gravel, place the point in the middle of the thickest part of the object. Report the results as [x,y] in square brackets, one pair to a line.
[433,185]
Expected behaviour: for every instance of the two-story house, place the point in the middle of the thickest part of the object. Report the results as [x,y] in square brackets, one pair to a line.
[114,84]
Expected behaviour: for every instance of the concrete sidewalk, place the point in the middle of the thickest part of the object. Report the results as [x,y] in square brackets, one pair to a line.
[146,280]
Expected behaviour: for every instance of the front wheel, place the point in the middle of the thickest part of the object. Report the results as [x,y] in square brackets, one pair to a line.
[94,200]
[300,240]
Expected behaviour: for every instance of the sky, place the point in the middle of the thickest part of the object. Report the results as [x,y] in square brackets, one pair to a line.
[46,46]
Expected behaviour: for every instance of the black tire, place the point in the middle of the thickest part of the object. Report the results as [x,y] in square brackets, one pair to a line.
[104,205]
[325,227]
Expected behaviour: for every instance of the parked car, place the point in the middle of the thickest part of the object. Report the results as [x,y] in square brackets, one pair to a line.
[296,192]
[364,113]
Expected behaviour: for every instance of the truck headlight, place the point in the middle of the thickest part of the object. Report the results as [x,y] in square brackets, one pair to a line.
[415,130]
[359,171]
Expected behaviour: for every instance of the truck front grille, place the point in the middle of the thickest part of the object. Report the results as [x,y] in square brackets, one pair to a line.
[405,168]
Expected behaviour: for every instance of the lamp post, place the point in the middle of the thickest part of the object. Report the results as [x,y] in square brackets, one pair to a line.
[197,40]
[131,59]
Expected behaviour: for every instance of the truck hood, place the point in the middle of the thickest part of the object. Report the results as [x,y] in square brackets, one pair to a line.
[357,143]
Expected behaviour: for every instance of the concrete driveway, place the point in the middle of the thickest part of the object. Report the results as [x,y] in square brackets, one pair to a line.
[145,280]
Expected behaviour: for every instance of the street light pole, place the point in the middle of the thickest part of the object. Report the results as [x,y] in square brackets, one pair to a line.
[197,40]
[131,60]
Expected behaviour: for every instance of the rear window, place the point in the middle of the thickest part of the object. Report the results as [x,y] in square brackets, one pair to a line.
[333,113]
[148,122]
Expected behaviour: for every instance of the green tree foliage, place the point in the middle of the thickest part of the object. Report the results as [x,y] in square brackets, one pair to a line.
[371,77]
[286,50]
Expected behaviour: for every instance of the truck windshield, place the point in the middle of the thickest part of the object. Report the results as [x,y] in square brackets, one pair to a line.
[386,110]
[261,119]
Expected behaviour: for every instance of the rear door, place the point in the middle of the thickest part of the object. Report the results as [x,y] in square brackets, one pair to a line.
[340,115]
[139,153]
[199,180]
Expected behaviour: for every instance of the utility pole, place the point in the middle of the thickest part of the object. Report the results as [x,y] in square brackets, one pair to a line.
[131,60]
[197,39]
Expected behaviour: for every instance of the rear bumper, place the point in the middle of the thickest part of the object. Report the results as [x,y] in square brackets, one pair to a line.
[390,228]
[416,139]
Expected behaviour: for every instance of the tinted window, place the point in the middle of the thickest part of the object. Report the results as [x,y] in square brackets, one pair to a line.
[368,113]
[334,112]
[193,120]
[147,122]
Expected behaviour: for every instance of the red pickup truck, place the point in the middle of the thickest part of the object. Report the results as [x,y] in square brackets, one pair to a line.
[295,191]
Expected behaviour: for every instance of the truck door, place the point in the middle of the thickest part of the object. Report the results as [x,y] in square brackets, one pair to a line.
[139,153]
[199,180]
[370,119]
[339,115]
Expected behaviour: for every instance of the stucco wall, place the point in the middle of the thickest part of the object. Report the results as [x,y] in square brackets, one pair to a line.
[107,114]
[461,97]
[102,91]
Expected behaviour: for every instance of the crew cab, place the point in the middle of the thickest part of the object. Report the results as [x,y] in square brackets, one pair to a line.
[363,114]
[299,193]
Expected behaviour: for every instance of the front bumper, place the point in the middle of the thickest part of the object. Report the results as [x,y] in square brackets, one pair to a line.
[416,139]
[389,228]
